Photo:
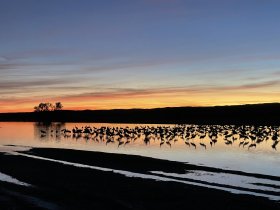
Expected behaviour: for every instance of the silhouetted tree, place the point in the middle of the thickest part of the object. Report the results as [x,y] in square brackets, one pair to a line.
[44,107]
[58,106]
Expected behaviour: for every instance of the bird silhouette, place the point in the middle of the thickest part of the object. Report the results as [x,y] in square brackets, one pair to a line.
[275,144]
[252,145]
[203,145]
[193,144]
[250,136]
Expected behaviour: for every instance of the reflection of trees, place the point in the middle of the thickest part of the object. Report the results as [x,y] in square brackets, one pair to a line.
[46,131]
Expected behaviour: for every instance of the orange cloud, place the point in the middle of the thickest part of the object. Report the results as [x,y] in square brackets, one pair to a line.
[155,97]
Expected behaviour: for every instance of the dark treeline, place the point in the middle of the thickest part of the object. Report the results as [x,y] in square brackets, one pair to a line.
[265,114]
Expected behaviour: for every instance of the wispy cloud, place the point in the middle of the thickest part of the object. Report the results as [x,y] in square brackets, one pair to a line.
[106,92]
[8,66]
[132,64]
[252,85]
[29,54]
[168,91]
[277,73]
[32,84]
[107,98]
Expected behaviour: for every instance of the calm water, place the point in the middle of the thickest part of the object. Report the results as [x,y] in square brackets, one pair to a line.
[261,159]
[243,148]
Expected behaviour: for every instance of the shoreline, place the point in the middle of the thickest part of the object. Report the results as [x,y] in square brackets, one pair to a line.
[255,114]
[54,183]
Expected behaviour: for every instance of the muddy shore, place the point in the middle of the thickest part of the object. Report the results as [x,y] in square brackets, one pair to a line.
[60,186]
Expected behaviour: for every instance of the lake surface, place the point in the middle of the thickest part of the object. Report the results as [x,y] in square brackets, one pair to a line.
[260,159]
[248,149]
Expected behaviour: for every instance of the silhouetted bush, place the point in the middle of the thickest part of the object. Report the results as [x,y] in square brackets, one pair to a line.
[45,107]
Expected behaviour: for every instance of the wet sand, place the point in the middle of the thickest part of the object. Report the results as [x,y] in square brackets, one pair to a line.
[61,186]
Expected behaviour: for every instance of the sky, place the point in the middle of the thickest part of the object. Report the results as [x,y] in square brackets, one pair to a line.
[111,54]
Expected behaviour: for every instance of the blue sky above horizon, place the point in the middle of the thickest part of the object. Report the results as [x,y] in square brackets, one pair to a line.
[106,54]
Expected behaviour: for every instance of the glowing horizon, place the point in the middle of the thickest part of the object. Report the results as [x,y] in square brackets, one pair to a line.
[143,54]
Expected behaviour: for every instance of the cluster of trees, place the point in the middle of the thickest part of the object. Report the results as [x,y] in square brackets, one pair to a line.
[45,107]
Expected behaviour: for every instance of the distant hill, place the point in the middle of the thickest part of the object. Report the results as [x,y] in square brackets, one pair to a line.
[266,114]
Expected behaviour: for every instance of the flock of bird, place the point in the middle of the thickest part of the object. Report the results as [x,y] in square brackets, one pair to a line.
[193,135]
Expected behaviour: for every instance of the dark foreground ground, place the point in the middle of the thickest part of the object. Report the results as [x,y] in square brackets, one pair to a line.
[58,186]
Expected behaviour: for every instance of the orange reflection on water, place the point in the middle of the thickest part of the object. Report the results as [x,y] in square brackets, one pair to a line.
[19,131]
[13,132]
[262,159]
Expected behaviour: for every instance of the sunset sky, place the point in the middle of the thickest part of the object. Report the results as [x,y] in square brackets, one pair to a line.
[105,54]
